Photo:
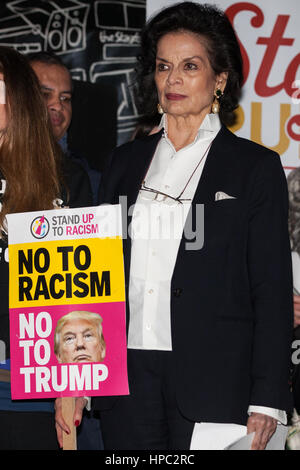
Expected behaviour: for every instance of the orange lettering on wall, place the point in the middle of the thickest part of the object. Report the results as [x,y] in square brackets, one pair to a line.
[256,126]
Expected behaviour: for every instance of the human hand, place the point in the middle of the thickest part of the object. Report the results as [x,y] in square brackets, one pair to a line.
[296,310]
[60,424]
[264,427]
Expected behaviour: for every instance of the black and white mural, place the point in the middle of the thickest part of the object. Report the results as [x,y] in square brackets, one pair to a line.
[97,40]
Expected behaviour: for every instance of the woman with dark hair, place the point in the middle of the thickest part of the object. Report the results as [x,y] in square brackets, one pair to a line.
[221,47]
[208,260]
[32,179]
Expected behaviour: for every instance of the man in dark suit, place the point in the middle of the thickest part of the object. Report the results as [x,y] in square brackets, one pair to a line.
[57,88]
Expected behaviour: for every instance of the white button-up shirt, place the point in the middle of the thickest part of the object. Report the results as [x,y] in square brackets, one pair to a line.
[156,232]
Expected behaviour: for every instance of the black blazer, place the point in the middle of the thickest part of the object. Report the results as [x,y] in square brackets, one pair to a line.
[231,300]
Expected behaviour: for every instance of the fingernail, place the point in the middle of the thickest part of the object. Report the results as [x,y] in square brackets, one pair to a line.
[77,422]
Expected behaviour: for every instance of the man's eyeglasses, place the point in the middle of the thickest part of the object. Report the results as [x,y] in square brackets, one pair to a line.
[164,196]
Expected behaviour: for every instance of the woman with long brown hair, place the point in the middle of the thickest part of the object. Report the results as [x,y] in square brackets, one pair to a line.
[31,175]
[30,161]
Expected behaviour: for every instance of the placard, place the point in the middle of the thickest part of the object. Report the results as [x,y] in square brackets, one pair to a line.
[67,303]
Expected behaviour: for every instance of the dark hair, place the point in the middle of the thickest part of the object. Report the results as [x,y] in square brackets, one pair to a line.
[46,58]
[222,48]
[145,125]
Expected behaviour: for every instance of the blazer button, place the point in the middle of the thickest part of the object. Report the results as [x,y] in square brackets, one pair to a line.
[177,292]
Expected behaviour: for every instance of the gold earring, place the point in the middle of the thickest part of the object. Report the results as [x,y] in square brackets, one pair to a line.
[215,108]
[159,109]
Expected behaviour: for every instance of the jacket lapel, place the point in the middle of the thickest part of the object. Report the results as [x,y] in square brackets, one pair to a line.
[215,167]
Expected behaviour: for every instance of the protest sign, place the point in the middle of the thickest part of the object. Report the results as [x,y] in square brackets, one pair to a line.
[67,303]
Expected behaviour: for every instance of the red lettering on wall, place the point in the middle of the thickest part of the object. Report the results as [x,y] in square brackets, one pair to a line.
[273,43]
[290,76]
[256,22]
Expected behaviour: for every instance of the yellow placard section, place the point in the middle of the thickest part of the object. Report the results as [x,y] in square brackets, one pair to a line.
[66,272]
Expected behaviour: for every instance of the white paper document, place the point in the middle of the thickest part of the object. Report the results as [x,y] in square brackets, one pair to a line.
[216,436]
[220,436]
[277,441]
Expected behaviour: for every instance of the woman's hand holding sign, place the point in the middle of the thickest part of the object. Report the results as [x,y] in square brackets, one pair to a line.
[78,338]
[60,423]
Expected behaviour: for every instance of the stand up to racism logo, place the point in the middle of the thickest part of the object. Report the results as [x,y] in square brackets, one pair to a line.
[39,227]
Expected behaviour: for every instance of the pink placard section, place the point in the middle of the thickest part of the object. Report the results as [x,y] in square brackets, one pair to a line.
[36,369]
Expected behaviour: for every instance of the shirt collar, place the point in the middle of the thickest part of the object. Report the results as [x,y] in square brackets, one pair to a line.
[211,124]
